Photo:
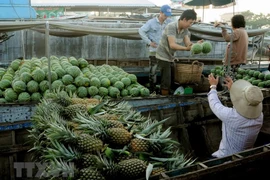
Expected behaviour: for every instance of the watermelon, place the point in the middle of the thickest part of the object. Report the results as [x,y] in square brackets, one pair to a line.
[103,91]
[126,81]
[24,97]
[82,92]
[10,95]
[38,75]
[19,86]
[114,92]
[32,86]
[36,96]
[206,47]
[67,79]
[93,90]
[196,48]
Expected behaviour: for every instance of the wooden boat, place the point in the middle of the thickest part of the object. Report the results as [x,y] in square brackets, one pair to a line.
[192,121]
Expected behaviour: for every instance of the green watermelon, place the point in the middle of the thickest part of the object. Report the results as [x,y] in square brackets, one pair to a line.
[196,48]
[206,47]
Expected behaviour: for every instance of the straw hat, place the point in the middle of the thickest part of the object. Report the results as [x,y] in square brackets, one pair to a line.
[246,99]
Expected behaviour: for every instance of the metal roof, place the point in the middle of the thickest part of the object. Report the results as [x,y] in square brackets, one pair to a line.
[101,3]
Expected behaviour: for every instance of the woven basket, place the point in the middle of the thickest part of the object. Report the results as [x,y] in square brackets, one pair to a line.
[188,73]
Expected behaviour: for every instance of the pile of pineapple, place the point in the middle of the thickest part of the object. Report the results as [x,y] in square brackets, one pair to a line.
[91,139]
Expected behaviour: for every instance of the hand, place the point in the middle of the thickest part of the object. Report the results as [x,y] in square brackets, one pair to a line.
[212,80]
[153,44]
[217,24]
[188,48]
[228,82]
[200,41]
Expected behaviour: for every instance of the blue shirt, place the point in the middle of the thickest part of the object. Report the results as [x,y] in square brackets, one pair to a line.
[238,132]
[152,31]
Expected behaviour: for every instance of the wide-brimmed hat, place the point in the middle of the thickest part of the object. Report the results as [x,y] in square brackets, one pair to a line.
[246,99]
[166,9]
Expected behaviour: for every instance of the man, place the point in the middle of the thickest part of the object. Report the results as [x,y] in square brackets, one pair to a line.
[239,44]
[173,37]
[151,33]
[241,123]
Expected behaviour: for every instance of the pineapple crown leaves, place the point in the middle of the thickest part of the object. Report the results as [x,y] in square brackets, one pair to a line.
[59,132]
[149,170]
[111,153]
[177,160]
[152,127]
[57,168]
[58,150]
[96,108]
[90,124]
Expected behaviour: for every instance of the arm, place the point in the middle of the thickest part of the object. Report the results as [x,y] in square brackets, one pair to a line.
[216,106]
[227,37]
[175,46]
[143,33]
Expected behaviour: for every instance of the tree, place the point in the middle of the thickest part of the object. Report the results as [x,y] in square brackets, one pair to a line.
[257,21]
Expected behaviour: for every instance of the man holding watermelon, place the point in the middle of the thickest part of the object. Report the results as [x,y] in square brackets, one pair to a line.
[175,37]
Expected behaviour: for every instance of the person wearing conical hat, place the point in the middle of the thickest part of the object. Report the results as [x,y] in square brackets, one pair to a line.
[240,123]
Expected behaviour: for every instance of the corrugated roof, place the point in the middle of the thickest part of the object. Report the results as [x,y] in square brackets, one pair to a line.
[107,3]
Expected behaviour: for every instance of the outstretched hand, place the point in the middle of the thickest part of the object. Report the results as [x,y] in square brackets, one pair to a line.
[212,80]
[228,82]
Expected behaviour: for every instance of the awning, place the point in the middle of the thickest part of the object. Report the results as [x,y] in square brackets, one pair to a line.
[207,2]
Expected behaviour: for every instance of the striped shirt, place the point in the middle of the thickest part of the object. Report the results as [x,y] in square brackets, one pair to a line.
[238,133]
[152,30]
[164,52]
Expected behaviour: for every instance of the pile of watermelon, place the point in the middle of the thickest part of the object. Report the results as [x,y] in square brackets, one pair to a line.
[255,77]
[30,80]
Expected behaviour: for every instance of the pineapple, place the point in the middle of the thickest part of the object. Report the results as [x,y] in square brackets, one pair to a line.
[158,170]
[85,142]
[139,145]
[113,124]
[89,144]
[110,169]
[90,174]
[109,116]
[62,98]
[132,168]
[119,136]
[90,160]
[71,110]
[102,129]
[152,139]
[91,101]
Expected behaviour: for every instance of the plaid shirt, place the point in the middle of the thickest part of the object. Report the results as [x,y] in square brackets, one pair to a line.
[238,132]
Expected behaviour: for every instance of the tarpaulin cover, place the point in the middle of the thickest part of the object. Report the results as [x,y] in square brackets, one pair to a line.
[72,30]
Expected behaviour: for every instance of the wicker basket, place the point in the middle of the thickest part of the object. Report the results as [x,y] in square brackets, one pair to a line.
[188,73]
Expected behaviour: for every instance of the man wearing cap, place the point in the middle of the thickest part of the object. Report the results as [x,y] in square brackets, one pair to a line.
[241,123]
[151,33]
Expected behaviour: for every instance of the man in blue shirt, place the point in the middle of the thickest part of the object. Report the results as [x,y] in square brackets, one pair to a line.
[151,33]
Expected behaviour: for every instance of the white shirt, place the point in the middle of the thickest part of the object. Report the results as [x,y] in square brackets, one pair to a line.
[238,132]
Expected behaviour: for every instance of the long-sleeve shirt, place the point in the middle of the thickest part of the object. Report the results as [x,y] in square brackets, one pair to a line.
[238,132]
[152,30]
[239,46]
